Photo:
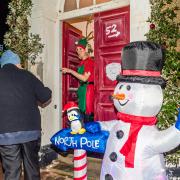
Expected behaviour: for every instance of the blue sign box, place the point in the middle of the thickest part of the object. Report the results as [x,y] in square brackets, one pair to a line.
[94,142]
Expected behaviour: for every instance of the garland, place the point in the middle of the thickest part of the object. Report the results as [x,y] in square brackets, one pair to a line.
[164,29]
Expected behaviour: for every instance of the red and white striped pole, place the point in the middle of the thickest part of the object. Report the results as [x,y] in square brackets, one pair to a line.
[80,164]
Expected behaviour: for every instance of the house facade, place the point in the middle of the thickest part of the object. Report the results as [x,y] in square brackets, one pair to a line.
[48,18]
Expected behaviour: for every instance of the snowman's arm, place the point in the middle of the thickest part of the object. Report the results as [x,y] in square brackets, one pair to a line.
[177,125]
[107,125]
[168,139]
[98,126]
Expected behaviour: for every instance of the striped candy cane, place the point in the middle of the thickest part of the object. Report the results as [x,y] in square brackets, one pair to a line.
[80,164]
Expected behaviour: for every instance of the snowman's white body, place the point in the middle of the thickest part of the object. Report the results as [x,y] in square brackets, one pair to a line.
[140,100]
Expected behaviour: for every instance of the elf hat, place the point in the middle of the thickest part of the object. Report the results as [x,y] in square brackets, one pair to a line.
[81,43]
[142,62]
[70,105]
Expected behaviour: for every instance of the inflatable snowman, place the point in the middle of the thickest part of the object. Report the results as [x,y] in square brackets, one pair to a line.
[135,147]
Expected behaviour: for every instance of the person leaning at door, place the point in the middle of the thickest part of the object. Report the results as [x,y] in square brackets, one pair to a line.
[85,74]
[20,122]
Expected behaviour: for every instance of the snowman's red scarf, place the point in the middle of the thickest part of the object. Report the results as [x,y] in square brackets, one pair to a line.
[128,150]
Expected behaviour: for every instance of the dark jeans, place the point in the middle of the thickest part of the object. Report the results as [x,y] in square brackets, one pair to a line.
[13,156]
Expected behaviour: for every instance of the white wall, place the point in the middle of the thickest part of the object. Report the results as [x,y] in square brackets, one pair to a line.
[43,22]
[139,13]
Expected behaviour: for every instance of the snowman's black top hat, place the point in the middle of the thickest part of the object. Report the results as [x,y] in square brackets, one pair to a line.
[142,62]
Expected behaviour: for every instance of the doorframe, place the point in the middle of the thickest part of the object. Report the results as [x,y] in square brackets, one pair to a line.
[114,4]
[58,41]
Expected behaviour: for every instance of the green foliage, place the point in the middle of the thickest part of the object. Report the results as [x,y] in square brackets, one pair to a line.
[18,38]
[166,32]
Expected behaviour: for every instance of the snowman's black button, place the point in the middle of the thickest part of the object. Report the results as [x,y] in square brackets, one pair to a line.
[113,156]
[119,134]
[108,177]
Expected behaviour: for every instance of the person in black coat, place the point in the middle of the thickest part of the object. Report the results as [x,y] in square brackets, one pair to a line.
[20,132]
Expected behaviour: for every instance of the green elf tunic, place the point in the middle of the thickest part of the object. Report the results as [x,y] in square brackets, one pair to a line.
[86,89]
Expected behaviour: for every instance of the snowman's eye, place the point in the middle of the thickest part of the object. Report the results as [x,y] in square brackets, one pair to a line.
[120,87]
[128,87]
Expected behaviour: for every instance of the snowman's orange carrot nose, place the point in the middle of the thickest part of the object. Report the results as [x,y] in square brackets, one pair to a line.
[119,96]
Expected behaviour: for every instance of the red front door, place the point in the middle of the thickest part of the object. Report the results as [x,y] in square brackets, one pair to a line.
[112,32]
[70,60]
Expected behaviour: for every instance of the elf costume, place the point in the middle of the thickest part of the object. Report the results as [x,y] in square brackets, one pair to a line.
[86,89]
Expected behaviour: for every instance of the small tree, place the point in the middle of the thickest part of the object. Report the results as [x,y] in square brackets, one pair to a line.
[18,38]
[164,29]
